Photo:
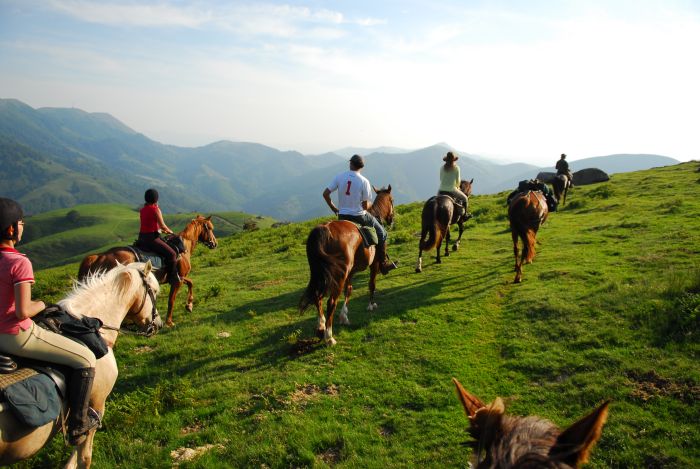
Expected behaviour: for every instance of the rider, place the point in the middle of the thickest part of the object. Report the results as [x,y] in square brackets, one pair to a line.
[149,236]
[562,167]
[354,199]
[450,179]
[19,335]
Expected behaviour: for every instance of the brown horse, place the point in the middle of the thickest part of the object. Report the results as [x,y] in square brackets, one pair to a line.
[336,252]
[124,292]
[199,229]
[526,212]
[439,213]
[561,184]
[503,441]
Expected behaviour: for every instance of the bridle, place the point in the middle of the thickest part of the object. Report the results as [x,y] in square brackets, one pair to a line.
[151,328]
[207,242]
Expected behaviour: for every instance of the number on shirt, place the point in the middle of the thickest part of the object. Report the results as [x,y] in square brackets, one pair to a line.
[347,191]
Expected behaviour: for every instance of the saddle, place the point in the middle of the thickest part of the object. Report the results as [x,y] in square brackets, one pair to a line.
[143,255]
[451,197]
[32,390]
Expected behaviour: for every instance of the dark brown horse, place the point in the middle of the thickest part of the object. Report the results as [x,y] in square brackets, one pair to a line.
[439,213]
[526,212]
[199,229]
[561,184]
[336,252]
[503,441]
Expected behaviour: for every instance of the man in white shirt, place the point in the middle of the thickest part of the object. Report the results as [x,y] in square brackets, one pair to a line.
[354,199]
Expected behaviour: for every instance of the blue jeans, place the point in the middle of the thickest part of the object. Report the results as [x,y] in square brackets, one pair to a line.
[367,220]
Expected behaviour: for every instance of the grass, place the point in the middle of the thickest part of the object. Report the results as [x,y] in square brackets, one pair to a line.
[608,310]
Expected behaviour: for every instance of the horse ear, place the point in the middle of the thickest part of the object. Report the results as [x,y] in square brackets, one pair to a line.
[576,442]
[148,268]
[375,190]
[209,218]
[472,181]
[388,189]
[470,402]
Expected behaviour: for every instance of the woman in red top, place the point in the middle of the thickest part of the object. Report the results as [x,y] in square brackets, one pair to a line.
[149,234]
[19,335]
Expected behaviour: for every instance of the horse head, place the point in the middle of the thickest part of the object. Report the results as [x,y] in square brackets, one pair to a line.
[206,235]
[466,187]
[139,281]
[383,205]
[506,441]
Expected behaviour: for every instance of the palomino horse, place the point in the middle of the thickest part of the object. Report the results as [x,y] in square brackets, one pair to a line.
[336,252]
[526,212]
[199,229]
[439,212]
[127,291]
[561,184]
[503,441]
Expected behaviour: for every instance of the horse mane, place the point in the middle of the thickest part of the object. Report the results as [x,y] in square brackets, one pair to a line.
[189,231]
[102,290]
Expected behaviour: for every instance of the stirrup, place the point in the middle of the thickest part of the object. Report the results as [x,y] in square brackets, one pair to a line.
[77,437]
[386,267]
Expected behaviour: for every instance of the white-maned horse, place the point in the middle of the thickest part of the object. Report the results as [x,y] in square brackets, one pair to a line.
[126,291]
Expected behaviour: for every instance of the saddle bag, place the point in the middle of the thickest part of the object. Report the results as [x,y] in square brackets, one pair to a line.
[34,400]
[85,330]
[369,236]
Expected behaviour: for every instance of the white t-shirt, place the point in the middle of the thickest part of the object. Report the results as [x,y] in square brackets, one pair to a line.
[353,189]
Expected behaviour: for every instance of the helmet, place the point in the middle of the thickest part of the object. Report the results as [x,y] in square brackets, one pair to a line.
[151,196]
[357,161]
[10,213]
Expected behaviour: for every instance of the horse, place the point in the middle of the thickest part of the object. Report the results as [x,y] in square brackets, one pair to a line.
[199,229]
[439,213]
[504,441]
[127,291]
[526,212]
[561,184]
[336,252]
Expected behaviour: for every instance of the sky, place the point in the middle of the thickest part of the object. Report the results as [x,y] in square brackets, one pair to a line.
[518,80]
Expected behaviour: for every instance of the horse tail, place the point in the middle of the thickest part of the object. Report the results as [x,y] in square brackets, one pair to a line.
[85,266]
[429,224]
[324,271]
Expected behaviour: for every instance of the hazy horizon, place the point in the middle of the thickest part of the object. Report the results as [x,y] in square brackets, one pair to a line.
[521,82]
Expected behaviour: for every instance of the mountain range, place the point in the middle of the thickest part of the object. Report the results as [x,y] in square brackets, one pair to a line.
[54,158]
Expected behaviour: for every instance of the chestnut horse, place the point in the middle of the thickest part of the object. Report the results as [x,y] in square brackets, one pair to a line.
[439,213]
[199,229]
[561,184]
[336,252]
[526,212]
[128,291]
[503,441]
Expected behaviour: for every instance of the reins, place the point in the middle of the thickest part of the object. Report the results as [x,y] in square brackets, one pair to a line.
[150,330]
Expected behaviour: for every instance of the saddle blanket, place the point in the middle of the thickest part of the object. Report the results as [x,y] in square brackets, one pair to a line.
[32,397]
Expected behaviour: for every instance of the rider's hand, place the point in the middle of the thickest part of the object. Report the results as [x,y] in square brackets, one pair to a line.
[336,211]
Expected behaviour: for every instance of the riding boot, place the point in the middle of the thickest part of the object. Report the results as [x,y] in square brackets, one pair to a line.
[384,266]
[81,418]
[174,276]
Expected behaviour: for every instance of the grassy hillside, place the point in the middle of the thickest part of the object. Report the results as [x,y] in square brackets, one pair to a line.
[608,310]
[67,235]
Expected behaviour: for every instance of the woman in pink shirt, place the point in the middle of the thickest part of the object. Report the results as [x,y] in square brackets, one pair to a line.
[149,234]
[19,335]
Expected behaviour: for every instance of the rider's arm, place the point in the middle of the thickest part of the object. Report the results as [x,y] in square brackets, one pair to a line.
[161,222]
[327,197]
[25,307]
[366,205]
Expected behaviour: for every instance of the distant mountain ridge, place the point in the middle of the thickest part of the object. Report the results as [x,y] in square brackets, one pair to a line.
[55,158]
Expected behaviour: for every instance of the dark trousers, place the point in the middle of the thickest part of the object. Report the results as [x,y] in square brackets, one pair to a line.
[153,242]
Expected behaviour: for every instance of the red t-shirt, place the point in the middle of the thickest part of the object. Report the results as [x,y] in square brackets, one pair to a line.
[149,219]
[15,268]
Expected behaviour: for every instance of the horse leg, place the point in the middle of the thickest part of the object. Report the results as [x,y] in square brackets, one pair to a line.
[419,264]
[330,307]
[321,328]
[344,311]
[440,236]
[190,293]
[171,303]
[373,271]
[447,242]
[518,271]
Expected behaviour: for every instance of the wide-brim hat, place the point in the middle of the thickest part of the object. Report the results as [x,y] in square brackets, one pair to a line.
[450,157]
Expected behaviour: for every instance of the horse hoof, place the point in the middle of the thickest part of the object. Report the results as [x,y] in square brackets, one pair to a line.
[188,308]
[170,324]
[418,270]
[447,253]
[331,342]
[455,247]
[438,261]
[371,306]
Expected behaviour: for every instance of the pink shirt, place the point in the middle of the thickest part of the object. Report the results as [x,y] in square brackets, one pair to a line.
[15,268]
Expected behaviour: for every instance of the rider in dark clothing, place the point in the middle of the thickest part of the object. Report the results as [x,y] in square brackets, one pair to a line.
[562,167]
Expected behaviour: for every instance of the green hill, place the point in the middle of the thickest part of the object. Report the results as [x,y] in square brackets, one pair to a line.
[609,310]
[67,235]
